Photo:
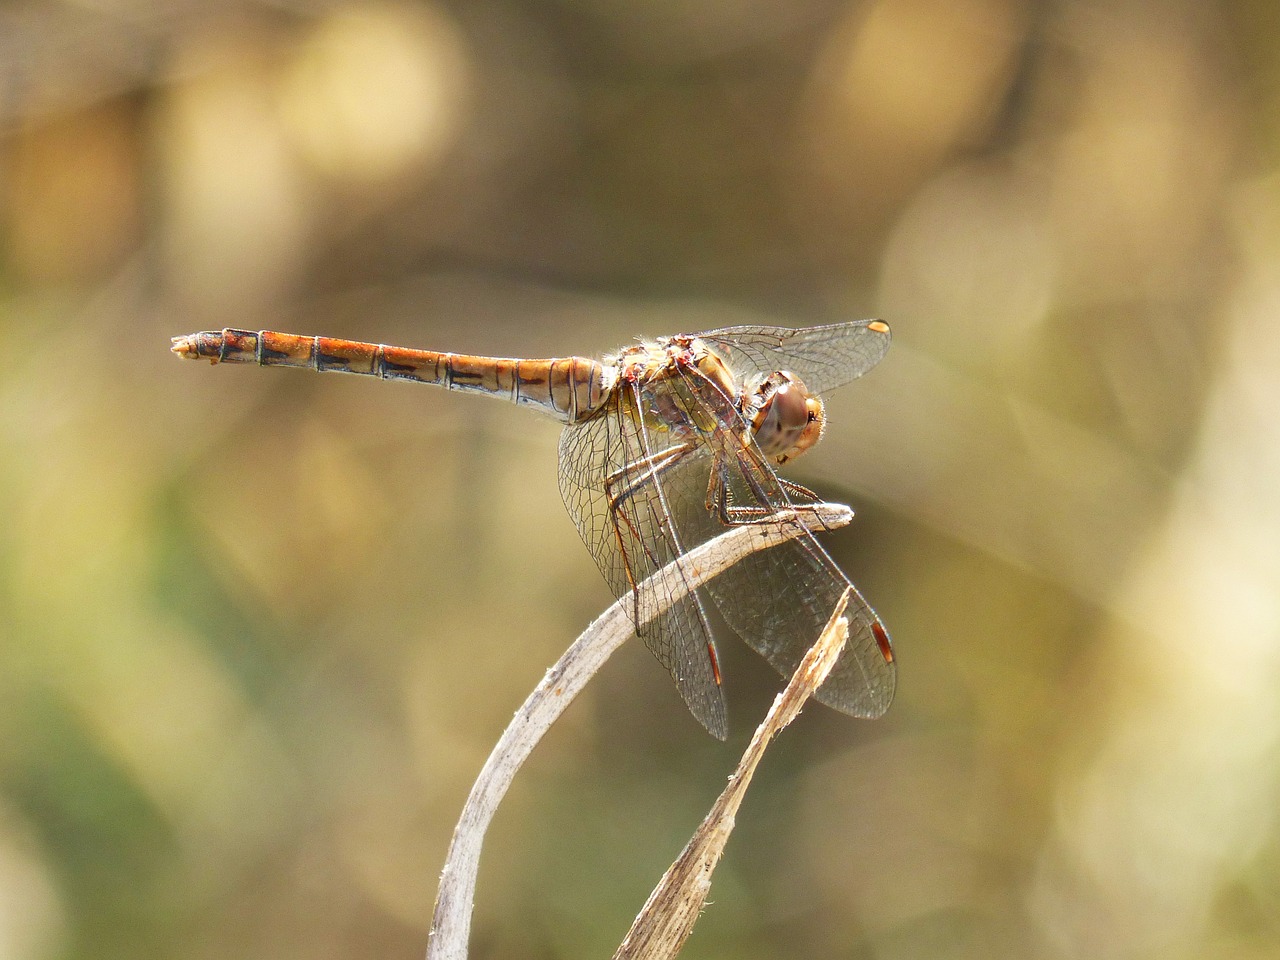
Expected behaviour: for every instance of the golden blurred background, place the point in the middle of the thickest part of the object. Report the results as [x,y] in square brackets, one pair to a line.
[259,629]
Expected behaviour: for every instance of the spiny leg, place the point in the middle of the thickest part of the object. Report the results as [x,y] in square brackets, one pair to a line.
[635,475]
[720,498]
[652,466]
[657,464]
[720,501]
[645,472]
[676,413]
[802,500]
[804,493]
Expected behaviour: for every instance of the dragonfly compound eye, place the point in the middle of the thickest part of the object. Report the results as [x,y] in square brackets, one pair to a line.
[788,419]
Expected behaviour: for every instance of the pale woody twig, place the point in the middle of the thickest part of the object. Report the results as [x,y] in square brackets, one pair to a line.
[451,922]
[668,917]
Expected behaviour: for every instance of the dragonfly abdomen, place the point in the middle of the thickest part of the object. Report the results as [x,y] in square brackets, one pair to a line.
[567,388]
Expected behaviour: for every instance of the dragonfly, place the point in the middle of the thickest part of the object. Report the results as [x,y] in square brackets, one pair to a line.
[667,443]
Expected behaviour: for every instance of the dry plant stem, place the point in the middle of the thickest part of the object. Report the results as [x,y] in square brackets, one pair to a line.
[667,919]
[451,921]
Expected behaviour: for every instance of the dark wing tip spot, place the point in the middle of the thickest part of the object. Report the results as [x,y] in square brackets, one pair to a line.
[882,640]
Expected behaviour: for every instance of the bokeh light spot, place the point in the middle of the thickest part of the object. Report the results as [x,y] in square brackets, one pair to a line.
[376,90]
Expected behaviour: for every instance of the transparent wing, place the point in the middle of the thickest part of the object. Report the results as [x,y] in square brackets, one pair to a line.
[613,478]
[823,357]
[778,600]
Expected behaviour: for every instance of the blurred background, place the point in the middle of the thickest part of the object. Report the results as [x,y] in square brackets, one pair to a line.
[259,629]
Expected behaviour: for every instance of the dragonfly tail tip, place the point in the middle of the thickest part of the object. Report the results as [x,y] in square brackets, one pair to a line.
[185,347]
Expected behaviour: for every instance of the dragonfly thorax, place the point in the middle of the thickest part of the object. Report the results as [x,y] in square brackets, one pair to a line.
[786,419]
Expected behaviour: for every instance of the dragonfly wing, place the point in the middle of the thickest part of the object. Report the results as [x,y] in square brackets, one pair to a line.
[778,600]
[626,527]
[823,357]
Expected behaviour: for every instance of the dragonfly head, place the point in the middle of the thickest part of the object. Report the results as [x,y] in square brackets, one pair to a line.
[786,419]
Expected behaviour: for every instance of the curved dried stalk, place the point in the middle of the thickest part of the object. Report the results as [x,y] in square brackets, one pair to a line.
[451,921]
[666,921]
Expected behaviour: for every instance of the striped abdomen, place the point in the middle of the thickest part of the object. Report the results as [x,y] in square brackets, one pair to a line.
[569,388]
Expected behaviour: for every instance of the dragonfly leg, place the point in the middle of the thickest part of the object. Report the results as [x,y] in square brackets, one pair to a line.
[720,499]
[798,491]
[802,498]
[632,477]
